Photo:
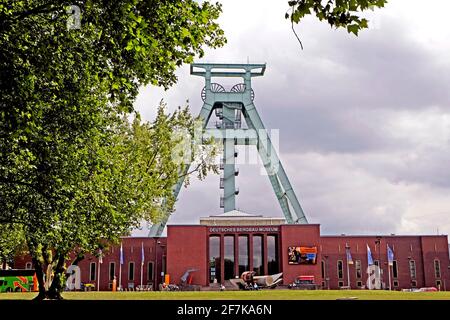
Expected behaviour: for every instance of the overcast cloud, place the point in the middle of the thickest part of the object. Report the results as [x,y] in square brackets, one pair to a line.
[364,121]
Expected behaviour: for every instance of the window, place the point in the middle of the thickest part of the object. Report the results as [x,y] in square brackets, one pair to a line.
[258,255]
[112,270]
[341,283]
[228,257]
[323,269]
[340,269]
[395,283]
[414,283]
[150,271]
[359,284]
[437,268]
[28,265]
[131,271]
[412,269]
[438,284]
[394,269]
[376,262]
[272,254]
[214,259]
[163,264]
[358,269]
[244,262]
[92,269]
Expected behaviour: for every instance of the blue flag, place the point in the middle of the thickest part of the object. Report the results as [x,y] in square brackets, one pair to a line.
[349,256]
[390,255]
[121,254]
[369,257]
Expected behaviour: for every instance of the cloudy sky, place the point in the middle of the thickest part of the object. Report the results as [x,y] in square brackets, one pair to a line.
[364,121]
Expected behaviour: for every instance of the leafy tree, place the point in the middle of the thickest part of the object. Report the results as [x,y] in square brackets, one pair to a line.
[134,171]
[337,13]
[73,170]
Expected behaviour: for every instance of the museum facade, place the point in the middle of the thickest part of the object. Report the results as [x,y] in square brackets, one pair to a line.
[220,248]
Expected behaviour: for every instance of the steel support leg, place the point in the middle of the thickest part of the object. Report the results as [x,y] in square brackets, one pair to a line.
[280,182]
[157,228]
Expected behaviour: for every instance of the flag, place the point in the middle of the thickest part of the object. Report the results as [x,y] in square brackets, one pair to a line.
[121,254]
[142,254]
[349,255]
[100,256]
[390,255]
[369,257]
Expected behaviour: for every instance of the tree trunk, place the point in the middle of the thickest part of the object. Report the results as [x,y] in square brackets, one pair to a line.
[40,278]
[56,287]
[54,292]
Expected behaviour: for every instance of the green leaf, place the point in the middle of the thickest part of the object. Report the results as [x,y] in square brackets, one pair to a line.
[353,28]
[129,46]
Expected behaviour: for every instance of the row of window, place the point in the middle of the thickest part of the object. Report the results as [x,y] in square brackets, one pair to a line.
[358,269]
[242,256]
[112,271]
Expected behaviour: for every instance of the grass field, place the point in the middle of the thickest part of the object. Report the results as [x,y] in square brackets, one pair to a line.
[245,295]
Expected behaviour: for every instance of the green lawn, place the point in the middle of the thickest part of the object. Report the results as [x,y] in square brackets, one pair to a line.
[249,295]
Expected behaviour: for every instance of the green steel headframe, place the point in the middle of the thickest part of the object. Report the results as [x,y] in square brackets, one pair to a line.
[229,107]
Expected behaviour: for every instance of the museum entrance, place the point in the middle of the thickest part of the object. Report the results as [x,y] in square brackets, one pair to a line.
[232,254]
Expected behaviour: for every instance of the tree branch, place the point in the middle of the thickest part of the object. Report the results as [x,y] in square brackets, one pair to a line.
[295,33]
[44,8]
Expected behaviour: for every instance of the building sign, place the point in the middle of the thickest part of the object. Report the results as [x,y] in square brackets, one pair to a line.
[243,229]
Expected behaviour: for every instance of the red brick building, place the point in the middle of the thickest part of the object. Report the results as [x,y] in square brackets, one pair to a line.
[221,247]
[154,264]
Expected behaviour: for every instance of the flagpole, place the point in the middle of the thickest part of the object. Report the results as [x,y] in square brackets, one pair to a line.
[348,274]
[347,247]
[389,256]
[142,269]
[98,277]
[100,261]
[120,266]
[389,274]
[142,263]
[120,276]
[369,254]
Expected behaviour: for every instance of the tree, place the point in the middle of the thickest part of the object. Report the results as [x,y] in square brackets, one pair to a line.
[132,181]
[73,171]
[337,13]
[106,188]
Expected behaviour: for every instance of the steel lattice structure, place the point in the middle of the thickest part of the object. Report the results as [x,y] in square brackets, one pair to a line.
[229,107]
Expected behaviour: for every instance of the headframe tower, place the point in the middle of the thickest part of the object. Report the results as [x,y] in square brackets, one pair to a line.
[230,107]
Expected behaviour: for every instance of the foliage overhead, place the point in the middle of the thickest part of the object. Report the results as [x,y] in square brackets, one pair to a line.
[337,13]
[73,169]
